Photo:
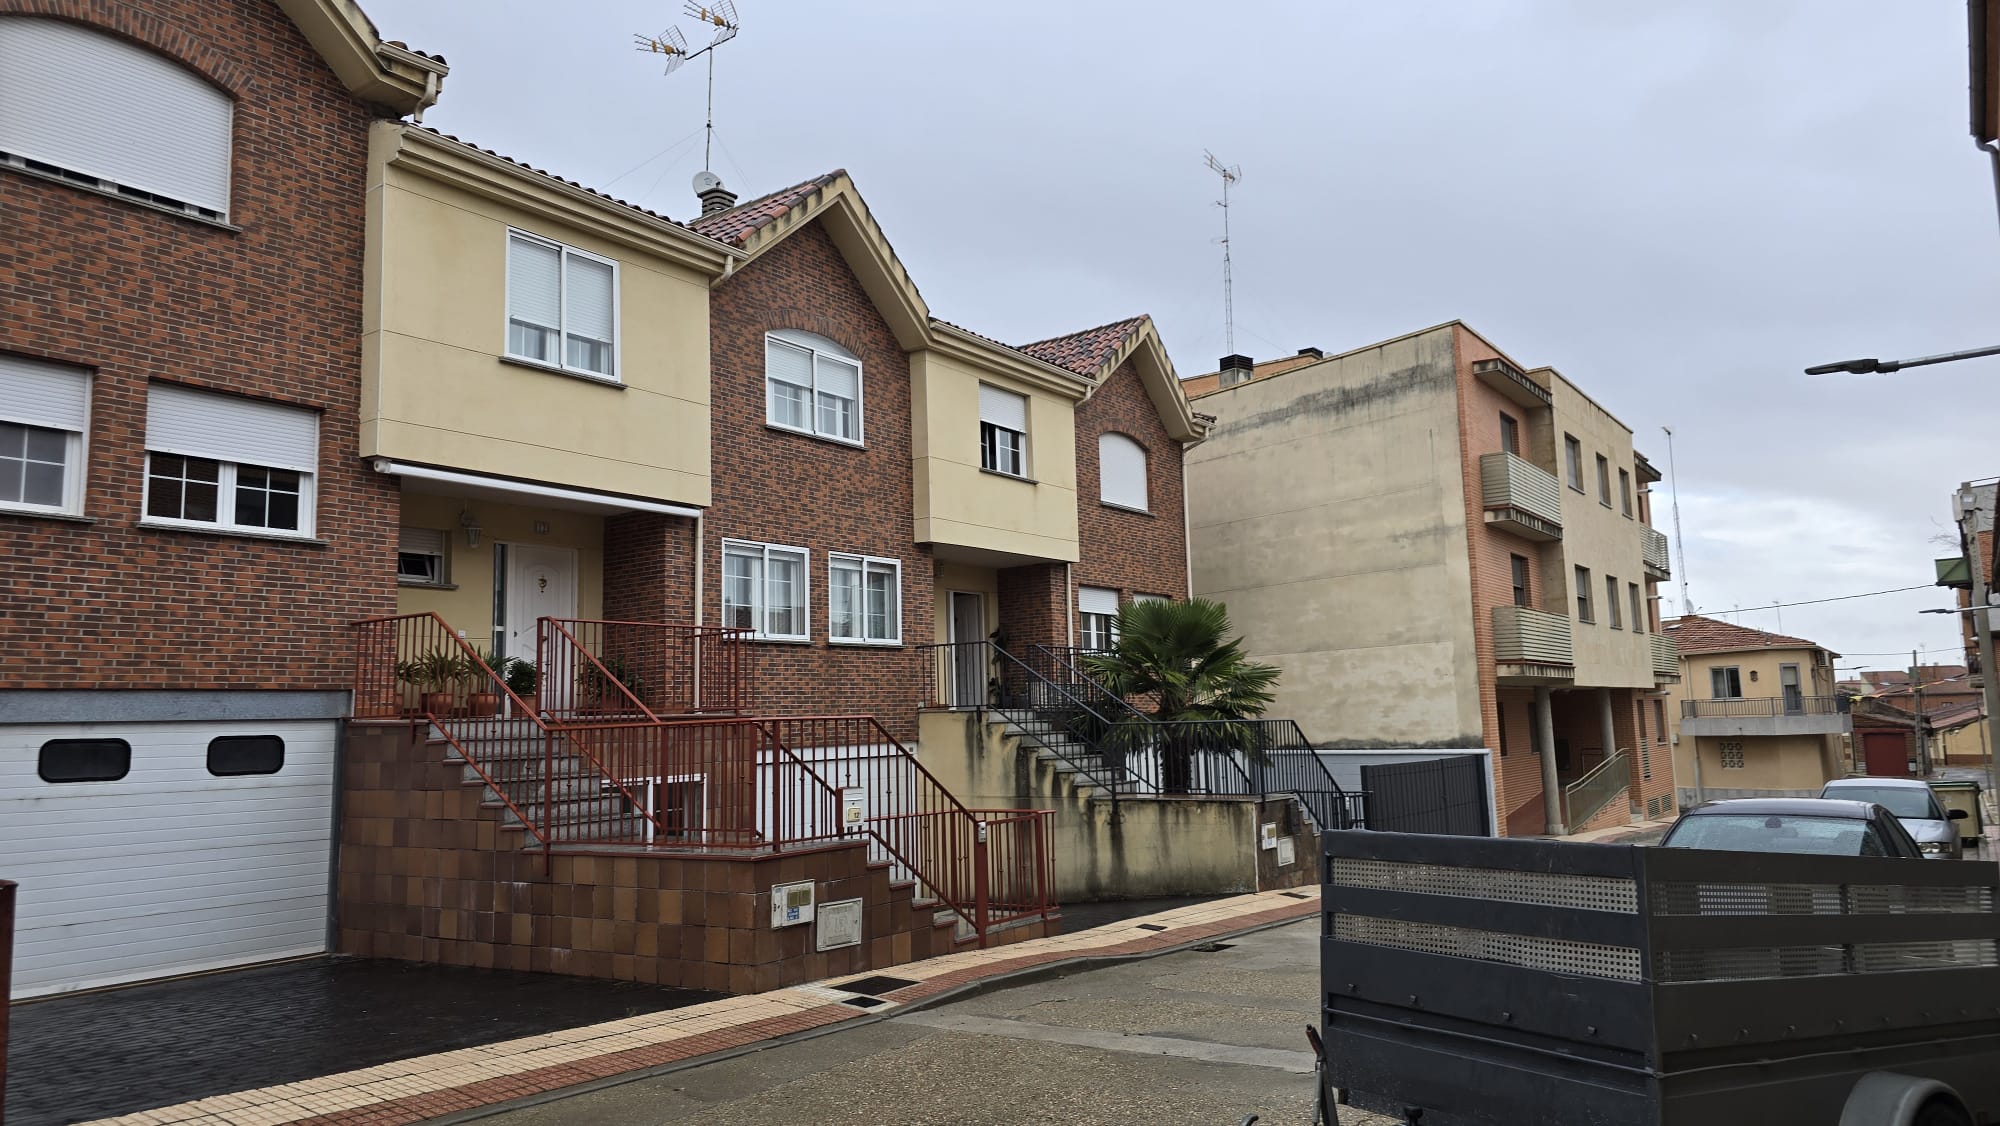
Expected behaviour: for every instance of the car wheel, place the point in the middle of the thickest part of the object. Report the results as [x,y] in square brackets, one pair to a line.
[1939,1112]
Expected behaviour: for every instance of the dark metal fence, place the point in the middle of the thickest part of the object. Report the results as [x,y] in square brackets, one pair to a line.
[7,891]
[1762,707]
[1442,795]
[1498,981]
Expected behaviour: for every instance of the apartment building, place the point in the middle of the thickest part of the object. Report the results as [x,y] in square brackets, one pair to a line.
[1443,548]
[187,531]
[1754,715]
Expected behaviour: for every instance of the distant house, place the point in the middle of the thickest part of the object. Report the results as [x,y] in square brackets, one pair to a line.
[1755,714]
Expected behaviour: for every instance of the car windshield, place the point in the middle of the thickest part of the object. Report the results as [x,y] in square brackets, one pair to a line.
[1903,801]
[1749,832]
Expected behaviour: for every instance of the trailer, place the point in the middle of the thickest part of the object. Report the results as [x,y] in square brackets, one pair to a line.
[1536,983]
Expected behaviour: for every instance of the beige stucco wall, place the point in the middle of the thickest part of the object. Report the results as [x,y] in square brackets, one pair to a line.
[957,503]
[435,389]
[1787,762]
[1760,664]
[470,569]
[1137,849]
[1603,539]
[964,578]
[1327,509]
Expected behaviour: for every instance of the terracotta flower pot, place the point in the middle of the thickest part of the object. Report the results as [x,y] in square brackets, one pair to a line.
[482,704]
[438,703]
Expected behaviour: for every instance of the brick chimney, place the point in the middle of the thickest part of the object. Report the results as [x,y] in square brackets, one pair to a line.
[716,198]
[1313,352]
[1236,369]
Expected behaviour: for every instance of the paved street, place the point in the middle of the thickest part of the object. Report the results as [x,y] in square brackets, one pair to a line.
[1192,1037]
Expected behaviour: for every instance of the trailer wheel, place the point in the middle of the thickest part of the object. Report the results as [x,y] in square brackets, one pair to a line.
[1942,1111]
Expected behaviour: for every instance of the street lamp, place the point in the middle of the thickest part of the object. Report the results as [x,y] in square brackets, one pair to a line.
[1871,365]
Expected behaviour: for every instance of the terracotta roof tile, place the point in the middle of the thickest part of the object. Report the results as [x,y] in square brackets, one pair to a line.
[736,225]
[1084,352]
[544,172]
[1695,634]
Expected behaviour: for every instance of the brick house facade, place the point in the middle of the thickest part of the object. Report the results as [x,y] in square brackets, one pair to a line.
[267,306]
[1128,551]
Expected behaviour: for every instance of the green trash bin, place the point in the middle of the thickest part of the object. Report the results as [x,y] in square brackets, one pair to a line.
[1965,796]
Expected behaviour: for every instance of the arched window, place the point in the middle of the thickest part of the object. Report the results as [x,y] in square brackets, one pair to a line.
[1121,471]
[99,111]
[812,384]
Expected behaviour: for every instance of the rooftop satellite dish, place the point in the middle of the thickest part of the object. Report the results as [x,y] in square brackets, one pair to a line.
[705,181]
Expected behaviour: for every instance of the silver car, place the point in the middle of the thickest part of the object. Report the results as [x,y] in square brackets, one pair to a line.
[1913,803]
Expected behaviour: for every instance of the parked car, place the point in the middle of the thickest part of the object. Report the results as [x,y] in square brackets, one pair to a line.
[1810,826]
[1914,804]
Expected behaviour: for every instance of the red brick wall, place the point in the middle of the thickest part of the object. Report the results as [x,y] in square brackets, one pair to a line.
[1132,552]
[1034,605]
[775,486]
[272,310]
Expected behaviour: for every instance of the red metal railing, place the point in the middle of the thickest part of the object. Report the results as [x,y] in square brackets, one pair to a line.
[594,668]
[717,783]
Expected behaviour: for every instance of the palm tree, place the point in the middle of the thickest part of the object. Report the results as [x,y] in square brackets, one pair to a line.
[1180,656]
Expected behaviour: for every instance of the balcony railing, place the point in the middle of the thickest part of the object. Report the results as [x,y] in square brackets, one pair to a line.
[1530,639]
[1666,658]
[1521,497]
[1763,707]
[1656,553]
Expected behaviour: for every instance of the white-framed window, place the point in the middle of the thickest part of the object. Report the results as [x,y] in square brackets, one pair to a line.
[812,385]
[222,463]
[562,306]
[764,589]
[1003,431]
[105,113]
[864,599]
[1152,598]
[1096,617]
[44,413]
[421,559]
[1121,471]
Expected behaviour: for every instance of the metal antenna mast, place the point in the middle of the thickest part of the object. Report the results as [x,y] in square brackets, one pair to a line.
[1680,548]
[673,45]
[1230,174]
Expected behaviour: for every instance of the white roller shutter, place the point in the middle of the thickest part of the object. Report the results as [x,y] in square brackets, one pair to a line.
[181,420]
[534,282]
[38,393]
[1003,408]
[169,869]
[838,377]
[590,298]
[1096,600]
[92,103]
[420,541]
[788,363]
[1121,470]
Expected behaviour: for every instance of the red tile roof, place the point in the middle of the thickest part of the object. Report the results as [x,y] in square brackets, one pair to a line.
[1084,352]
[545,172]
[736,225]
[1695,634]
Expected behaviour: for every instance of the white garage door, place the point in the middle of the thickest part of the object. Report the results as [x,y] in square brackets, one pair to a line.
[193,854]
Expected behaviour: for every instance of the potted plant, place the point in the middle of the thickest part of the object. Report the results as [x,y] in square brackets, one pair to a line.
[522,678]
[600,686]
[436,675]
[480,698]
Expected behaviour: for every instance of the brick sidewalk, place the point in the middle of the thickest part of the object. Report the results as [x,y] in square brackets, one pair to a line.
[414,1090]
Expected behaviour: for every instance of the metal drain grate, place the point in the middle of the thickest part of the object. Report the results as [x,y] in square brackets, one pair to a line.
[877,984]
[1212,947]
[1295,894]
[864,1002]
[1150,927]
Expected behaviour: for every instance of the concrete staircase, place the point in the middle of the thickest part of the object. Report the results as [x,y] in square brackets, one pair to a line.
[518,756]
[1083,769]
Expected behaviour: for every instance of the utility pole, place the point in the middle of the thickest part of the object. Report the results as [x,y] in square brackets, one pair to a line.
[1982,618]
[1917,721]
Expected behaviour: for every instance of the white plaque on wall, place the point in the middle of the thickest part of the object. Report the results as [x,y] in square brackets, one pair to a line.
[839,924]
[1287,852]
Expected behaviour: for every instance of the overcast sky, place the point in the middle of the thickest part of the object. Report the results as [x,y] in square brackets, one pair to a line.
[1678,206]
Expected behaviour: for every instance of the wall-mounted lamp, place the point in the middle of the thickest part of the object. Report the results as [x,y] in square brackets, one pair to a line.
[470,523]
[1753,676]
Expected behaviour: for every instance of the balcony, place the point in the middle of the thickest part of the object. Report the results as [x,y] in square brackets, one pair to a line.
[1511,382]
[1520,497]
[1531,647]
[1656,554]
[1666,660]
[1766,715]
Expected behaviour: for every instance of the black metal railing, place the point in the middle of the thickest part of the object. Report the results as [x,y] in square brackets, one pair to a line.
[1763,707]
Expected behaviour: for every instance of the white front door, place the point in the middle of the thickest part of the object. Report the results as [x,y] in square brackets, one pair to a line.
[541,583]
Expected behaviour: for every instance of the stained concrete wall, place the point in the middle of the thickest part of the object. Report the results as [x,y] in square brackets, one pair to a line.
[1327,510]
[1139,848]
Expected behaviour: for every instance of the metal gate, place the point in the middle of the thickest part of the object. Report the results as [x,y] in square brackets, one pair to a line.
[1440,795]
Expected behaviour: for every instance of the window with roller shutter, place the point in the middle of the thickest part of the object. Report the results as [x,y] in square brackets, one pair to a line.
[562,306]
[812,385]
[105,114]
[1121,469]
[218,462]
[44,414]
[1003,431]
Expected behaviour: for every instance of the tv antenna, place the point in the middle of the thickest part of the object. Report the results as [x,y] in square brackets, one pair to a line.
[1230,174]
[1680,548]
[673,45]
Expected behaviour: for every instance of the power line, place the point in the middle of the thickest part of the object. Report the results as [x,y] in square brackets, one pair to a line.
[1817,601]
